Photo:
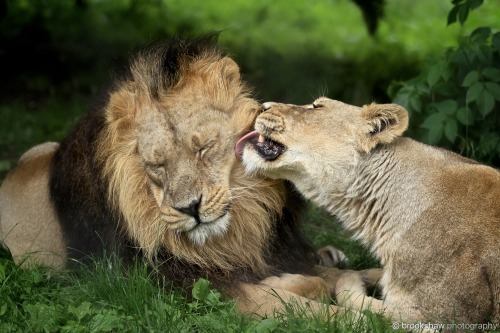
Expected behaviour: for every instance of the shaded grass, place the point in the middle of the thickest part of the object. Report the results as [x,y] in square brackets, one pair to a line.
[323,229]
[106,298]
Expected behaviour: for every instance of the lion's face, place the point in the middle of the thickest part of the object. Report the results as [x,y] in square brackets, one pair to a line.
[187,159]
[172,172]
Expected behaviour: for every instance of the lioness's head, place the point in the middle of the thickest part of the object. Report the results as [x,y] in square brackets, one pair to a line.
[167,150]
[289,140]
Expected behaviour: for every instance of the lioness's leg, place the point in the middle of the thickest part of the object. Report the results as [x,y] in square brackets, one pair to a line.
[371,277]
[351,293]
[266,301]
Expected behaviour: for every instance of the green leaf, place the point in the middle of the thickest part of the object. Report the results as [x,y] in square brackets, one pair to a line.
[201,289]
[81,311]
[106,321]
[494,89]
[489,141]
[473,4]
[463,13]
[481,34]
[403,95]
[266,325]
[447,71]
[447,107]
[451,129]
[435,134]
[491,73]
[485,54]
[452,15]
[434,120]
[496,41]
[446,89]
[3,309]
[474,91]
[465,116]
[485,102]
[415,104]
[470,78]
[433,75]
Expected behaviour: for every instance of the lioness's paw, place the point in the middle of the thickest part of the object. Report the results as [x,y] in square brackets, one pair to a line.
[330,256]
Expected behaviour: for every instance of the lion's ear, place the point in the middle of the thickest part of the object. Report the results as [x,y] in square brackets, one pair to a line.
[122,104]
[385,123]
[230,70]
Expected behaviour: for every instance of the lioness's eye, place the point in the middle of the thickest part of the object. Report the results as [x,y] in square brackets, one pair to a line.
[317,105]
[205,148]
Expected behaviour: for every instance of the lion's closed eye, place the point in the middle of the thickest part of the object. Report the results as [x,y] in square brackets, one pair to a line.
[157,172]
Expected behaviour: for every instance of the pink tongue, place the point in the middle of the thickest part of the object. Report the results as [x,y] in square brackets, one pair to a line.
[238,150]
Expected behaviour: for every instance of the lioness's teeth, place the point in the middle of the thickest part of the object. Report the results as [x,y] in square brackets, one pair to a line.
[261,138]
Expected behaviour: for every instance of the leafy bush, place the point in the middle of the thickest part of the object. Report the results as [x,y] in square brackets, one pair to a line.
[455,101]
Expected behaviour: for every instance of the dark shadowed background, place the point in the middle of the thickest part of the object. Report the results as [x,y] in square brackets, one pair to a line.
[55,55]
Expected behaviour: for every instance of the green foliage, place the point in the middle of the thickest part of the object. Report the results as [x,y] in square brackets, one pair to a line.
[106,297]
[23,126]
[461,9]
[56,47]
[456,99]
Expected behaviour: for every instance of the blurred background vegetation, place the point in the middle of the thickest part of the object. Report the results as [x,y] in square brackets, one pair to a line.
[55,55]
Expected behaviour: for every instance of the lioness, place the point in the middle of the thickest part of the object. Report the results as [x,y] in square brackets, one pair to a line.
[431,216]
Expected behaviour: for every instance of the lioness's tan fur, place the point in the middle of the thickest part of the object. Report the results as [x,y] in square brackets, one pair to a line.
[431,216]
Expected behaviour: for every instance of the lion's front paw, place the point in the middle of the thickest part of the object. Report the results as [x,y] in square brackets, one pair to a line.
[330,256]
[312,287]
[349,287]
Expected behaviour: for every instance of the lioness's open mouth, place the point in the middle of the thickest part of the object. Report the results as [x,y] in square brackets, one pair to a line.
[268,149]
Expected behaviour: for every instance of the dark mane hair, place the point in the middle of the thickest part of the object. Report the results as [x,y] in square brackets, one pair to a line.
[158,64]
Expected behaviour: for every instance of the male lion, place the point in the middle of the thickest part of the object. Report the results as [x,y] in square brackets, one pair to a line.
[431,216]
[150,171]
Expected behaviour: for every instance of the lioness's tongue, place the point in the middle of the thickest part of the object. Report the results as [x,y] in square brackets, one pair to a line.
[240,145]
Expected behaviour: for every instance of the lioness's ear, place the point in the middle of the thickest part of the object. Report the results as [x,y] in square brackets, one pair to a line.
[384,122]
[230,69]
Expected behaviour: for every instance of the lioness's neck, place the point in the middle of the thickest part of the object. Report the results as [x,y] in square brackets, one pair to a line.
[386,182]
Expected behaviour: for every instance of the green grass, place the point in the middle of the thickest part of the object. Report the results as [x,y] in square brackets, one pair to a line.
[104,298]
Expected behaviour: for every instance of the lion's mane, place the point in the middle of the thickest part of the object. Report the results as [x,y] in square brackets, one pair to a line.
[98,183]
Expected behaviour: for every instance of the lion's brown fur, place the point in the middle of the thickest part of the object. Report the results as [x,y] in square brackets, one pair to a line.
[255,200]
[28,223]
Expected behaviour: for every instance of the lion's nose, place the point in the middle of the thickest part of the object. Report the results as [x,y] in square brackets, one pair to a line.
[192,209]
